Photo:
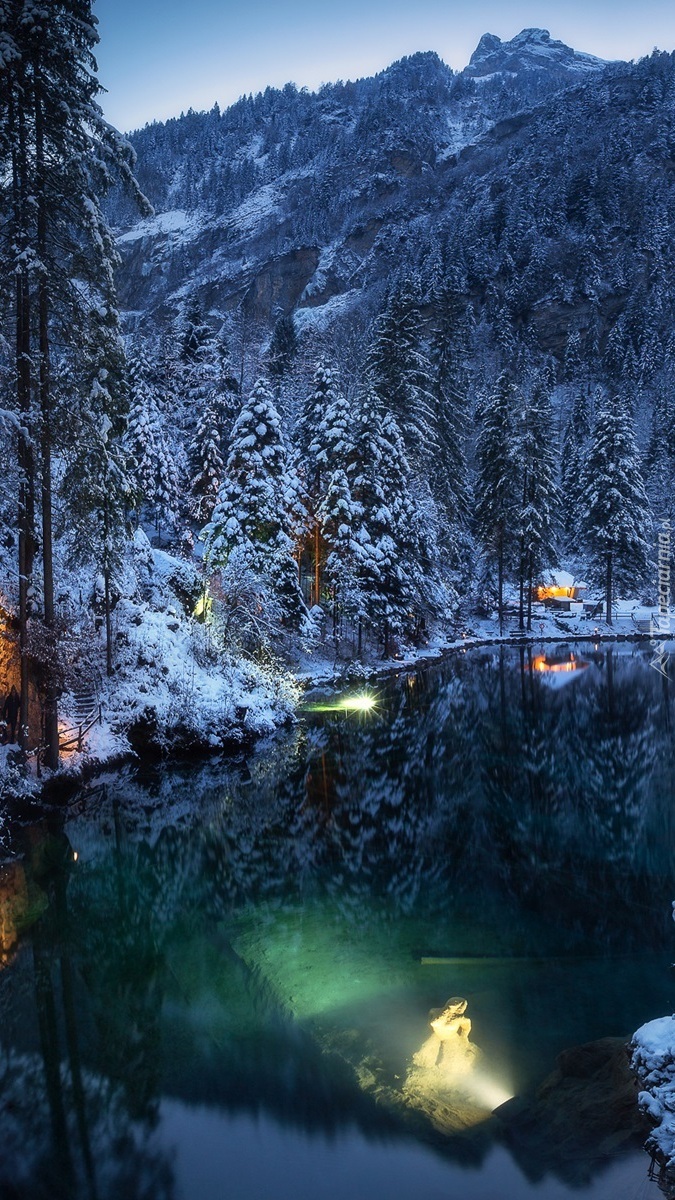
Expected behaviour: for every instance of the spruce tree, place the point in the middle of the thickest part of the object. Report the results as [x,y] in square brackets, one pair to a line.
[339,516]
[208,461]
[194,333]
[386,541]
[449,480]
[153,465]
[325,442]
[59,156]
[252,511]
[496,480]
[401,375]
[96,486]
[537,493]
[283,348]
[615,512]
[575,444]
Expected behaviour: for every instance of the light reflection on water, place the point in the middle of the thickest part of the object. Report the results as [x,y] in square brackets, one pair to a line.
[228,972]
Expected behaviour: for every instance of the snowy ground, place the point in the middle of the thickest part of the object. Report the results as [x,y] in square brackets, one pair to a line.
[173,691]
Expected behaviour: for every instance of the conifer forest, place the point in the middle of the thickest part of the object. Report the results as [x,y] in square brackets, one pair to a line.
[337,482]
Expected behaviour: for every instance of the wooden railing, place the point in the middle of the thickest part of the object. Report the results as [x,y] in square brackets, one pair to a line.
[73,739]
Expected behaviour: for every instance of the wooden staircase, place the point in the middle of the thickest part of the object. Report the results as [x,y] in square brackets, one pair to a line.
[85,713]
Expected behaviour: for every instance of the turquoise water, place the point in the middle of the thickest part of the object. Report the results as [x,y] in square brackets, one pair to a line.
[217,980]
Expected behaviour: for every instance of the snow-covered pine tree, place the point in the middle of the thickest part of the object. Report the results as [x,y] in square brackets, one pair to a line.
[575,444]
[660,488]
[659,460]
[496,479]
[252,511]
[208,460]
[401,375]
[198,380]
[331,443]
[227,400]
[385,541]
[538,498]
[324,437]
[283,348]
[450,483]
[615,513]
[193,331]
[58,157]
[96,486]
[339,516]
[152,462]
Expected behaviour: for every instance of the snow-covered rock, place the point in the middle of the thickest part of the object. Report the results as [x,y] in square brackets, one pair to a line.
[175,223]
[653,1061]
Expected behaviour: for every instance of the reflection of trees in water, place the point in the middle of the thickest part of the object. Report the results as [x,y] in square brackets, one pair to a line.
[540,819]
[69,1129]
[473,785]
[98,1027]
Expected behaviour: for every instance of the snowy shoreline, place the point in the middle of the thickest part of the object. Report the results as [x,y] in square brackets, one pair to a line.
[97,759]
[441,648]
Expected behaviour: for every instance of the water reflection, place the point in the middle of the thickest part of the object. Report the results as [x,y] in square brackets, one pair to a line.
[557,670]
[200,942]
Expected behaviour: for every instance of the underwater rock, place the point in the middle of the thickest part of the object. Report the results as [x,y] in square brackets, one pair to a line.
[584,1112]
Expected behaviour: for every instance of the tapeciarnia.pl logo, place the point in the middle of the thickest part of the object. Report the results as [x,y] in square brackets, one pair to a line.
[660,626]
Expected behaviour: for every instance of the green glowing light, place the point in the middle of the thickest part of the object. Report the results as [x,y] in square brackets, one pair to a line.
[361,702]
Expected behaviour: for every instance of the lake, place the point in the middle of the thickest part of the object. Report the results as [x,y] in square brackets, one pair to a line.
[233,979]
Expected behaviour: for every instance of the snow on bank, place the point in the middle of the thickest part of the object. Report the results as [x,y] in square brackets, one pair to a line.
[653,1061]
[173,688]
[15,784]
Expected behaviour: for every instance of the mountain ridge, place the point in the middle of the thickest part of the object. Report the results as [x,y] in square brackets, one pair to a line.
[531,49]
[309,204]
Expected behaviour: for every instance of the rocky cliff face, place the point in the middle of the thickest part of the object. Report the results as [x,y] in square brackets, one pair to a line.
[529,50]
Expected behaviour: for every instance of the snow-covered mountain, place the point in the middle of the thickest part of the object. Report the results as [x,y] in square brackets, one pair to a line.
[539,177]
[529,50]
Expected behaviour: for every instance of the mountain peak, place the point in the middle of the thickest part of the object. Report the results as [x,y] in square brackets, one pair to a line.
[529,50]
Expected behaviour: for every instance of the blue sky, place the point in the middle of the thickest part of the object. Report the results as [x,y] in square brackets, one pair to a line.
[159,57]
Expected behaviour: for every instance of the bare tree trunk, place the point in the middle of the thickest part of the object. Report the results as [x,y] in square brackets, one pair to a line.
[608,588]
[51,683]
[23,395]
[106,587]
[317,564]
[500,570]
[521,566]
[108,624]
